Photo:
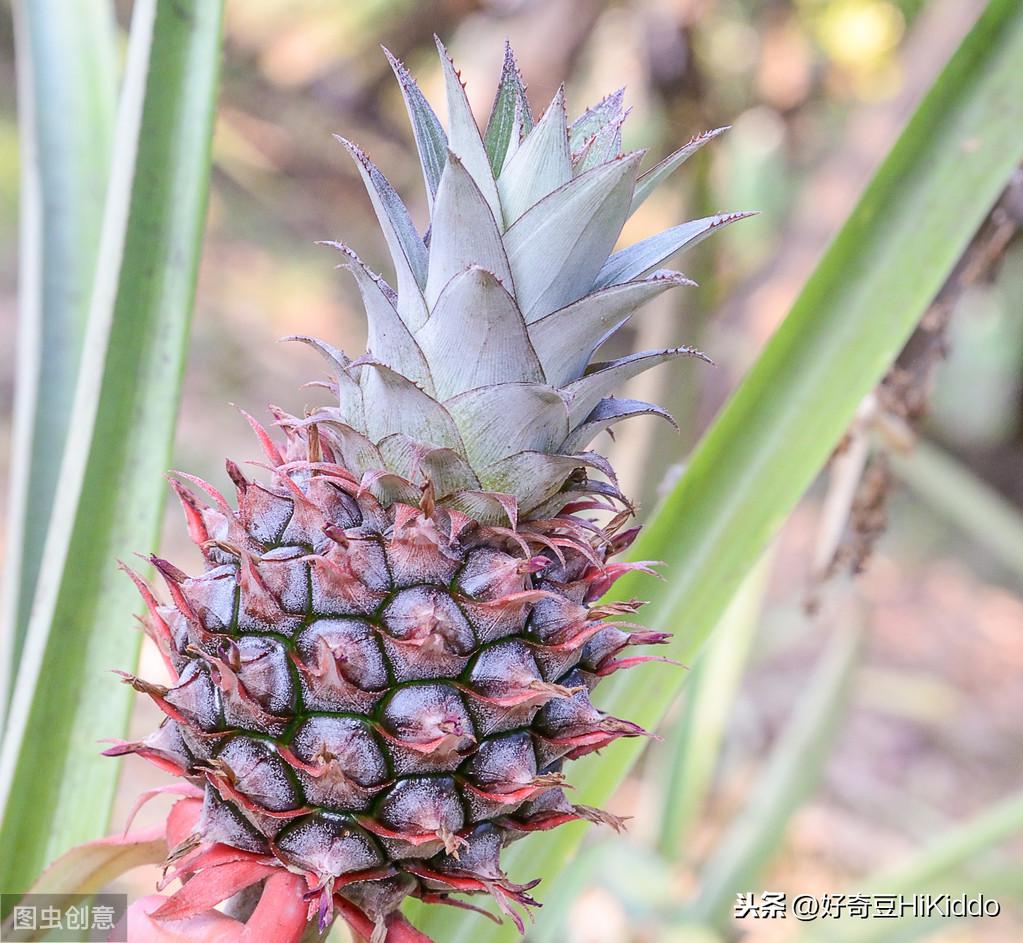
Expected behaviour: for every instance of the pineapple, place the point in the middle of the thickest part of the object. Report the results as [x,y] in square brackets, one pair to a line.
[390,655]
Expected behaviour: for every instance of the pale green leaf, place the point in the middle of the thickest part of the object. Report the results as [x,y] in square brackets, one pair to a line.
[444,468]
[540,164]
[565,339]
[607,110]
[510,114]
[388,337]
[605,145]
[431,141]
[531,476]
[477,317]
[464,134]
[408,252]
[510,417]
[394,403]
[55,788]
[464,232]
[642,257]
[606,413]
[66,67]
[557,247]
[584,394]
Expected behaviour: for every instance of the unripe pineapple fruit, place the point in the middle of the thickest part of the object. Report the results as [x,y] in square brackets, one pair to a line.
[390,655]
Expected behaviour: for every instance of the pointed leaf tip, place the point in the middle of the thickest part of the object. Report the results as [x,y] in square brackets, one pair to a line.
[389,337]
[657,174]
[642,257]
[465,232]
[566,339]
[686,351]
[603,145]
[408,251]
[555,247]
[608,109]
[586,392]
[431,140]
[541,164]
[464,138]
[510,115]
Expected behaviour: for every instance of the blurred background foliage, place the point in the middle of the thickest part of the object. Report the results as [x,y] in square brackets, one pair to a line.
[916,720]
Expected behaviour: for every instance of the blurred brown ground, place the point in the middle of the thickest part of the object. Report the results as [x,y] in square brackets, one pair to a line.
[816,91]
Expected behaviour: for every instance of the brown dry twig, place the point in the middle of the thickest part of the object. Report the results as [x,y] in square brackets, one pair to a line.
[854,514]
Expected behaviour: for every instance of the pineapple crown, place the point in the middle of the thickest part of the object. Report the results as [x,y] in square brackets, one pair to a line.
[478,386]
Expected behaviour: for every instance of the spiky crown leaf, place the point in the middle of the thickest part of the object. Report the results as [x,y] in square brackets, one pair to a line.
[478,377]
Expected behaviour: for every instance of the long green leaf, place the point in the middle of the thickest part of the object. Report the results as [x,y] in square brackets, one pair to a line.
[939,866]
[66,97]
[1004,885]
[791,773]
[55,788]
[693,747]
[854,314]
[974,506]
[602,859]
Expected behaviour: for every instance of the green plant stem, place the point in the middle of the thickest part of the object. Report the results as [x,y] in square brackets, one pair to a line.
[941,866]
[791,773]
[693,745]
[954,848]
[966,501]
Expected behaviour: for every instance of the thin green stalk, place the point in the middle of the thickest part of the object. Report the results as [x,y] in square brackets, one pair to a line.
[66,64]
[941,866]
[693,746]
[954,848]
[55,788]
[966,501]
[790,775]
